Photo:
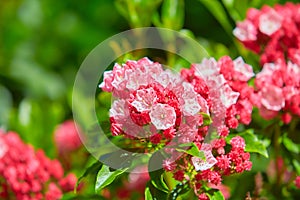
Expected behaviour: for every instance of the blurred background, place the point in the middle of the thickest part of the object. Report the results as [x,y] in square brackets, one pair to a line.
[43,43]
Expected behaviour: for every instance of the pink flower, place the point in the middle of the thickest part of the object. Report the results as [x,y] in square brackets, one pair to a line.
[144,100]
[138,178]
[245,31]
[162,116]
[27,173]
[3,147]
[272,98]
[273,33]
[238,142]
[68,183]
[297,182]
[223,162]
[169,165]
[209,161]
[66,137]
[243,71]
[270,22]
[179,175]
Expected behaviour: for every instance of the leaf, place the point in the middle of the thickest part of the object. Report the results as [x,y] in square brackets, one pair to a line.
[148,195]
[290,145]
[194,150]
[5,106]
[216,9]
[106,177]
[296,165]
[173,14]
[156,194]
[216,195]
[93,169]
[118,159]
[180,189]
[253,144]
[206,119]
[156,172]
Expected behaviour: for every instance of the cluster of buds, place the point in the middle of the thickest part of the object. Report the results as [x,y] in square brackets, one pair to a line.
[273,33]
[26,174]
[169,110]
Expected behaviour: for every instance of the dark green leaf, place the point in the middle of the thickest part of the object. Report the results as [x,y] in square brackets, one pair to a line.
[156,194]
[216,9]
[5,106]
[173,14]
[118,159]
[93,169]
[253,144]
[216,195]
[206,119]
[106,177]
[156,172]
[180,189]
[290,145]
[296,166]
[148,195]
[193,150]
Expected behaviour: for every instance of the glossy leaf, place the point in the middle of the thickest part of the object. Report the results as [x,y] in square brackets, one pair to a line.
[193,150]
[106,177]
[216,9]
[173,14]
[93,169]
[290,145]
[156,175]
[148,195]
[180,189]
[253,144]
[216,195]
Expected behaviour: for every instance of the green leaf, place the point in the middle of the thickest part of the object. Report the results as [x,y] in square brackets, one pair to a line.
[148,195]
[5,106]
[193,150]
[156,176]
[253,144]
[106,177]
[296,165]
[206,119]
[290,145]
[216,195]
[156,194]
[180,189]
[173,14]
[119,159]
[216,9]
[93,169]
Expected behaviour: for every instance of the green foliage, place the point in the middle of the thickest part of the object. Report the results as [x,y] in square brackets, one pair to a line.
[105,177]
[253,144]
[43,45]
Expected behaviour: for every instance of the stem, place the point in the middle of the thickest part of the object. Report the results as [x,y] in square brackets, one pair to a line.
[279,172]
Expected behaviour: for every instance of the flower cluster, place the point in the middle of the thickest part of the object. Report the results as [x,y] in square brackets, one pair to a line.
[26,174]
[278,90]
[199,172]
[224,86]
[166,108]
[274,33]
[152,103]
